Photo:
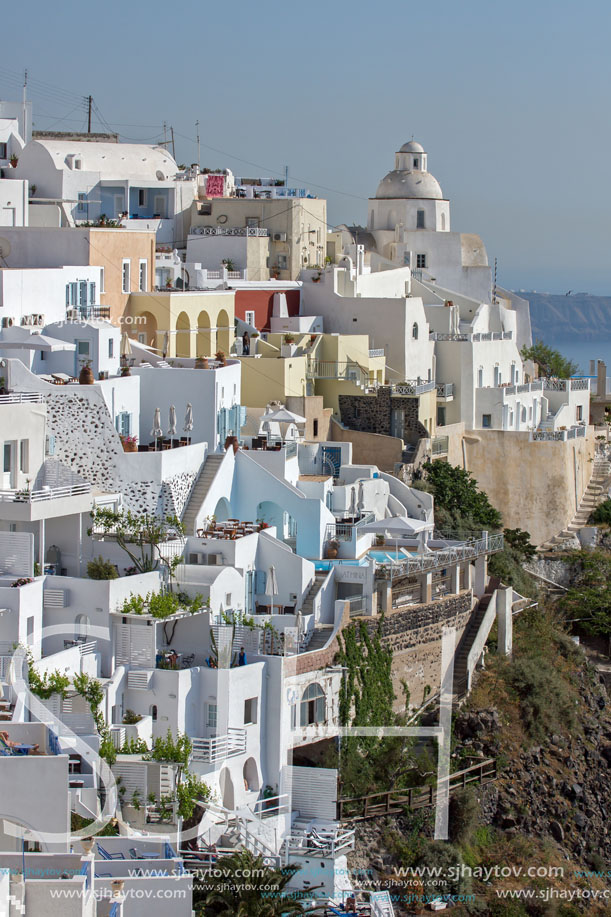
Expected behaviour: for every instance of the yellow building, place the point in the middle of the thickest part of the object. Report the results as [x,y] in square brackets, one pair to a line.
[184,324]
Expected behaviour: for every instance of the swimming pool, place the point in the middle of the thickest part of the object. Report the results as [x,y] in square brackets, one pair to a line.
[386,557]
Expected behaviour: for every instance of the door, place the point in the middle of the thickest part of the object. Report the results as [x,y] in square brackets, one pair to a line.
[119,205]
[81,355]
[161,206]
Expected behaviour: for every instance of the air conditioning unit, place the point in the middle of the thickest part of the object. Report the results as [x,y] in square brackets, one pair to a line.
[279,237]
[7,322]
[194,558]
[39,319]
[214,560]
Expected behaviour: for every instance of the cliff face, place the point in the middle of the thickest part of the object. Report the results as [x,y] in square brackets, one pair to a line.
[580,315]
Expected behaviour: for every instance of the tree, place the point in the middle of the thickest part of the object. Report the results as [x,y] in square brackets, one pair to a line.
[587,603]
[241,885]
[459,505]
[551,363]
[139,535]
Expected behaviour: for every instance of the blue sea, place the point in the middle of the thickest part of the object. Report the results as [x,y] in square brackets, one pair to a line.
[581,352]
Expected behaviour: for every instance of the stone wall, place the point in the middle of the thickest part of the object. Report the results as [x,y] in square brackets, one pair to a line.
[369,448]
[372,413]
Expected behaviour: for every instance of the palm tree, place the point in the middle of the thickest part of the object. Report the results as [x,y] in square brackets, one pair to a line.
[243,886]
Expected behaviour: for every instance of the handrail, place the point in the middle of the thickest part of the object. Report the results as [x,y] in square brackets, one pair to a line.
[422,563]
[39,496]
[18,397]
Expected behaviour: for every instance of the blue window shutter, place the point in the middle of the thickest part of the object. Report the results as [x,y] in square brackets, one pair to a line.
[242,415]
[259,582]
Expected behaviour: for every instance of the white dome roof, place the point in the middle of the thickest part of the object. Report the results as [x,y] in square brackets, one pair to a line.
[412,147]
[399,183]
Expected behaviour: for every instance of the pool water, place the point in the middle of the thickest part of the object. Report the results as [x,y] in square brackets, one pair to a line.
[385,557]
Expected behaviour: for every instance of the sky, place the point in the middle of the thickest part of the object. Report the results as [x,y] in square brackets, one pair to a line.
[509,99]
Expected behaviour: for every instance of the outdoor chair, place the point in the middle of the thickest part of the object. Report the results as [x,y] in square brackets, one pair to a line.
[105,855]
[133,852]
[14,750]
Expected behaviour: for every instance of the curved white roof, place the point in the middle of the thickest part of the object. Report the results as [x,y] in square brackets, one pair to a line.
[110,160]
[412,146]
[403,184]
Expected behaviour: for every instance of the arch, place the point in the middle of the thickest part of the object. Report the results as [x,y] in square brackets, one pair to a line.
[183,335]
[147,323]
[223,340]
[81,627]
[251,775]
[203,347]
[313,705]
[415,331]
[222,510]
[153,712]
[226,787]
[273,514]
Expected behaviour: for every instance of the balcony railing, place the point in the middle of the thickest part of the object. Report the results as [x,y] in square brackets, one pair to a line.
[468,550]
[331,369]
[40,496]
[564,385]
[376,352]
[83,314]
[228,231]
[208,751]
[22,397]
[439,445]
[445,389]
[476,337]
[558,436]
[344,531]
[412,387]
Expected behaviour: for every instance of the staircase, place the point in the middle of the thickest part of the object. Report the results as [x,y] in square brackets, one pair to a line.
[322,632]
[200,490]
[470,633]
[320,637]
[596,492]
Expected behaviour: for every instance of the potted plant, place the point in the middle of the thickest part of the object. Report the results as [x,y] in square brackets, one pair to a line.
[130,443]
[125,371]
[289,339]
[228,264]
[380,540]
[220,357]
[232,441]
[86,375]
[201,363]
[2,386]
[332,549]
[316,277]
[14,160]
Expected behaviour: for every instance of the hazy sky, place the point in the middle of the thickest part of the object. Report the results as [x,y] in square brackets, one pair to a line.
[511,101]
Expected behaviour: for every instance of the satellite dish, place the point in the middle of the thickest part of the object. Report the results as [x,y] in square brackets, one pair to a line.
[5,248]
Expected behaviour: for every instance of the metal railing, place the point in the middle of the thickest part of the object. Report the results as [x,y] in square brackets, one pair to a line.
[445,389]
[324,845]
[344,531]
[471,336]
[557,436]
[40,496]
[376,352]
[357,605]
[565,385]
[208,751]
[412,387]
[331,369]
[228,231]
[439,445]
[422,563]
[19,397]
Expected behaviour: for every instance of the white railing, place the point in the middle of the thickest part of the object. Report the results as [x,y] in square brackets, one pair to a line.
[331,369]
[477,336]
[228,231]
[86,649]
[208,751]
[18,397]
[39,496]
[412,387]
[557,436]
[564,385]
[273,805]
[422,563]
[327,845]
[445,389]
[376,352]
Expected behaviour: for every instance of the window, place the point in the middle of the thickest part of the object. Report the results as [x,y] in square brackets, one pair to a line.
[313,707]
[141,197]
[111,348]
[82,348]
[282,262]
[579,412]
[73,294]
[315,428]
[123,423]
[102,278]
[416,163]
[480,378]
[7,457]
[486,420]
[78,163]
[293,716]
[153,712]
[81,627]
[3,151]
[212,711]
[228,599]
[24,449]
[250,711]
[49,445]
[82,203]
[420,261]
[415,331]
[252,222]
[82,293]
[420,219]
[125,276]
[92,294]
[142,277]
[142,337]
[249,318]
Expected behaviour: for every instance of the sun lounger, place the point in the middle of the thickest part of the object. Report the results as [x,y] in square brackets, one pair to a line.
[7,749]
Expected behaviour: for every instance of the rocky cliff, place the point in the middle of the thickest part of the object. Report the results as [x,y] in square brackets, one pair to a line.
[578,315]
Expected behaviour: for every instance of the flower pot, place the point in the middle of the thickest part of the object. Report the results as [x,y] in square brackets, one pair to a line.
[130,447]
[125,371]
[201,363]
[331,552]
[85,376]
[232,441]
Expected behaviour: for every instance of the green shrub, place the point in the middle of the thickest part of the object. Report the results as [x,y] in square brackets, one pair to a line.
[602,514]
[545,701]
[100,568]
[464,813]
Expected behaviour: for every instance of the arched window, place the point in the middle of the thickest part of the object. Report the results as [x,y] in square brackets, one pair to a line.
[415,331]
[443,222]
[81,627]
[153,712]
[313,707]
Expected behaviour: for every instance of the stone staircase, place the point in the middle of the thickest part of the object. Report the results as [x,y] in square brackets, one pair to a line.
[595,493]
[470,633]
[320,637]
[200,490]
[322,632]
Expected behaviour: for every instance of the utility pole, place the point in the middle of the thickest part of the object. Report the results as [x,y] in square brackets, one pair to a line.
[165,133]
[286,176]
[89,106]
[197,135]
[25,109]
[173,148]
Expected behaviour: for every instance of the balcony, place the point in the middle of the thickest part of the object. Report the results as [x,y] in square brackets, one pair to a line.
[376,352]
[248,231]
[87,313]
[477,337]
[446,556]
[209,751]
[32,505]
[445,391]
[412,387]
[439,445]
[558,436]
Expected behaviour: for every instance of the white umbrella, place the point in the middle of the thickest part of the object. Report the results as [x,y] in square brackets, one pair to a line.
[284,418]
[397,525]
[271,584]
[27,341]
[361,503]
[353,502]
[172,426]
[166,344]
[126,345]
[188,418]
[157,431]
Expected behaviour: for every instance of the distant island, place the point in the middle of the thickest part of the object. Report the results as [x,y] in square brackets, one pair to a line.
[557,317]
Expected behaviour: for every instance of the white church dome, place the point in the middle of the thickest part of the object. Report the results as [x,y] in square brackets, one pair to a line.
[400,183]
[412,146]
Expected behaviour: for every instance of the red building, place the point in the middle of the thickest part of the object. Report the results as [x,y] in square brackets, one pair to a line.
[261,302]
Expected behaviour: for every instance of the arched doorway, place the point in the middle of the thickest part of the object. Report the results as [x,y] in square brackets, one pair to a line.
[223,338]
[222,510]
[204,336]
[251,775]
[144,324]
[274,514]
[183,335]
[226,787]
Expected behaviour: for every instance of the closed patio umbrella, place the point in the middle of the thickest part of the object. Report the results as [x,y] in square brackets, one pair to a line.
[172,425]
[361,503]
[353,502]
[157,431]
[188,426]
[126,346]
[271,584]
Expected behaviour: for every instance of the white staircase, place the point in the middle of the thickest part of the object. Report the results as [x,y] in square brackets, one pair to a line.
[200,490]
[595,493]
